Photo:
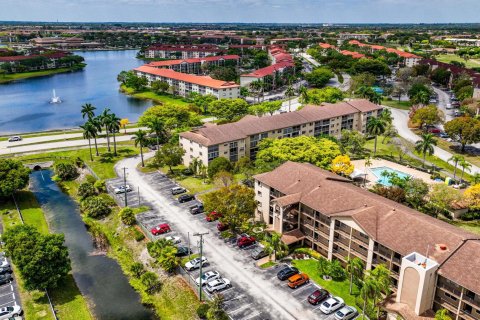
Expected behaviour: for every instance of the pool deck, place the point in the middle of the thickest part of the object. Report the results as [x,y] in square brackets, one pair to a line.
[371,178]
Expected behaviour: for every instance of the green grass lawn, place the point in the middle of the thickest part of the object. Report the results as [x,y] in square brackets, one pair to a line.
[25,75]
[448,58]
[341,289]
[157,98]
[471,226]
[405,105]
[268,264]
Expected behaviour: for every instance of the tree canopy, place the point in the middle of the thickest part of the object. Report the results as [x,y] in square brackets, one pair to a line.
[318,96]
[465,130]
[172,115]
[373,66]
[169,155]
[228,109]
[319,77]
[13,176]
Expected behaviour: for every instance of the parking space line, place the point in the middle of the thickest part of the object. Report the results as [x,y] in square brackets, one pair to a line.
[236,298]
[6,294]
[240,308]
[7,303]
[251,316]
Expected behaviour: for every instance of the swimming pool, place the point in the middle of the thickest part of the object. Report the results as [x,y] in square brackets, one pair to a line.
[385,180]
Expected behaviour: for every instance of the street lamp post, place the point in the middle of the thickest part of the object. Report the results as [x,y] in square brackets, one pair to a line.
[198,234]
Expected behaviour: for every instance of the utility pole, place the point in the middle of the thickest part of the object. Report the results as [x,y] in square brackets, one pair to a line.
[198,234]
[125,184]
[138,196]
[188,245]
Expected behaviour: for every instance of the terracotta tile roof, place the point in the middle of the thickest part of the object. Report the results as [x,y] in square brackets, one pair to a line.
[55,55]
[167,63]
[326,46]
[190,78]
[395,226]
[260,73]
[250,125]
[185,47]
[355,55]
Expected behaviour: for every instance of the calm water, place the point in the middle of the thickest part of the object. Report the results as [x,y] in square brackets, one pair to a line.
[25,107]
[98,277]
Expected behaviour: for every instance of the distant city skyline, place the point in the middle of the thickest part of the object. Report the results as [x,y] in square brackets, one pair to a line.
[243,11]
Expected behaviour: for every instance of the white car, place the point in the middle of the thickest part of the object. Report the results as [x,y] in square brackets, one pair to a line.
[14,138]
[10,311]
[195,263]
[173,239]
[122,189]
[218,285]
[207,277]
[346,313]
[331,304]
[449,106]
[4,263]
[178,190]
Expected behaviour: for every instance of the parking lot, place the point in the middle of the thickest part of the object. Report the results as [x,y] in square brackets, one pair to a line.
[8,292]
[132,196]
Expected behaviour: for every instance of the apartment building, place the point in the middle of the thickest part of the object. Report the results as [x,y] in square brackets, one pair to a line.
[196,65]
[181,51]
[240,139]
[183,83]
[409,59]
[433,264]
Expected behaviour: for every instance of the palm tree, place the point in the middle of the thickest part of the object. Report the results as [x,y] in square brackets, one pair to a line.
[381,275]
[375,97]
[290,92]
[465,166]
[274,244]
[421,97]
[88,110]
[215,307]
[375,127]
[156,126]
[140,140]
[104,118]
[386,115]
[369,290]
[89,132]
[97,123]
[425,145]
[456,158]
[355,269]
[113,126]
[303,92]
[475,178]
[255,87]
[368,163]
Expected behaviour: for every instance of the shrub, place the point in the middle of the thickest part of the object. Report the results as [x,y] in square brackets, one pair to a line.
[309,252]
[96,207]
[150,282]
[219,164]
[100,186]
[336,271]
[202,311]
[86,190]
[127,216]
[108,199]
[90,178]
[66,171]
[79,162]
[471,215]
[138,235]
[137,269]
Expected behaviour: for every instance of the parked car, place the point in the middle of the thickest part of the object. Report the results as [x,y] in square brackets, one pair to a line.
[195,263]
[222,226]
[286,273]
[5,278]
[10,311]
[178,190]
[258,253]
[213,216]
[331,304]
[449,106]
[122,189]
[244,240]
[434,130]
[14,138]
[173,239]
[186,198]
[298,280]
[457,113]
[183,251]
[4,263]
[196,208]
[318,296]
[207,277]
[346,313]
[218,285]
[6,269]
[443,135]
[161,229]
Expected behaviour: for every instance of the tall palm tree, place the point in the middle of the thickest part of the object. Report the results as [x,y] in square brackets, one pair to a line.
[369,290]
[89,132]
[140,140]
[290,92]
[386,115]
[381,276]
[97,123]
[274,244]
[456,158]
[475,178]
[255,87]
[375,127]
[113,124]
[375,97]
[303,92]
[88,110]
[355,269]
[156,126]
[465,167]
[425,145]
[104,118]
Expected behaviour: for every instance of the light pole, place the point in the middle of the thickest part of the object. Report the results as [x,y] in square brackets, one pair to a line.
[198,234]
[125,184]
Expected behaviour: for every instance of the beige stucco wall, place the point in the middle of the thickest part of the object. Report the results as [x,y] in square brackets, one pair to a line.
[193,150]
[410,285]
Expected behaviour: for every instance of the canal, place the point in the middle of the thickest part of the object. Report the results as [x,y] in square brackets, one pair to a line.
[25,104]
[98,277]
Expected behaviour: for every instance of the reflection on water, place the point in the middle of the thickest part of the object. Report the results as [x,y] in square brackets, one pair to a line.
[25,105]
[100,278]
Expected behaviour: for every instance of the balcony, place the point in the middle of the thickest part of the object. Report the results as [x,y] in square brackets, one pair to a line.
[475,302]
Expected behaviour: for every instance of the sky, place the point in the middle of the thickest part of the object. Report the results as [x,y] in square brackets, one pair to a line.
[247,11]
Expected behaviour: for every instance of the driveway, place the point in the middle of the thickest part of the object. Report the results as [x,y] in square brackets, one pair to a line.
[268,300]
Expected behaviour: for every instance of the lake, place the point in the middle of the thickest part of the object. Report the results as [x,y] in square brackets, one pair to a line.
[25,105]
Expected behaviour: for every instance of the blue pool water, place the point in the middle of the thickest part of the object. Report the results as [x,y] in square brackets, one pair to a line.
[386,180]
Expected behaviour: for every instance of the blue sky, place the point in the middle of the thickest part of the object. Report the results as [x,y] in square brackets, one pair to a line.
[294,11]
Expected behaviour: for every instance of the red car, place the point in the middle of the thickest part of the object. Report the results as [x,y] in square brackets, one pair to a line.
[212,216]
[245,240]
[161,229]
[222,226]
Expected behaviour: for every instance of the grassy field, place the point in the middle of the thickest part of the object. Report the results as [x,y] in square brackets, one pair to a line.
[67,299]
[341,289]
[157,98]
[25,75]
[448,58]
[445,145]
[404,105]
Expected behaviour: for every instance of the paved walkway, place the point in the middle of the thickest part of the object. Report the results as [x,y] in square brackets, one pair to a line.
[400,121]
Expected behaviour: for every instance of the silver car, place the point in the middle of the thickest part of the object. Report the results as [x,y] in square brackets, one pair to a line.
[218,285]
[346,313]
[207,277]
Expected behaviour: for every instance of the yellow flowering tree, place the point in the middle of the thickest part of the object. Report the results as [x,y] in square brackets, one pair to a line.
[472,195]
[123,123]
[341,165]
